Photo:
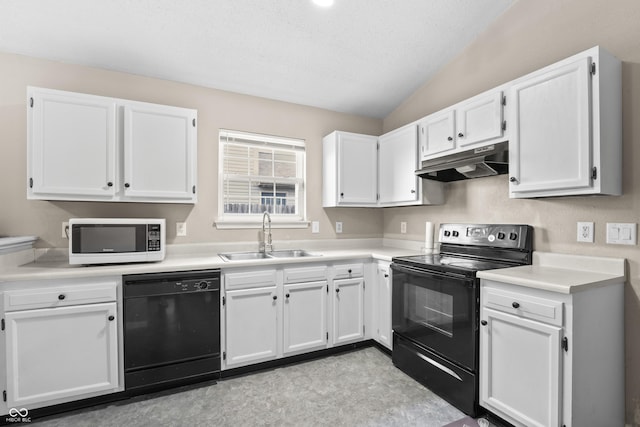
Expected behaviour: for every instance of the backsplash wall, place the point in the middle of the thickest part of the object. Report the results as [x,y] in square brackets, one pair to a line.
[529,36]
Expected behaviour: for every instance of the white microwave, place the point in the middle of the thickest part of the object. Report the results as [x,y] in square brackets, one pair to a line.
[116,240]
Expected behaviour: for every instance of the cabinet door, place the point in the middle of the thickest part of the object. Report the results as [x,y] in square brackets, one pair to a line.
[550,147]
[479,119]
[252,326]
[159,152]
[305,316]
[357,169]
[520,369]
[398,161]
[61,353]
[72,145]
[437,133]
[348,310]
[383,306]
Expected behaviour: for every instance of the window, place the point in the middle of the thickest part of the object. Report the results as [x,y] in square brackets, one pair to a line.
[257,174]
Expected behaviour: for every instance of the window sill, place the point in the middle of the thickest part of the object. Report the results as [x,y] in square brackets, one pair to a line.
[247,223]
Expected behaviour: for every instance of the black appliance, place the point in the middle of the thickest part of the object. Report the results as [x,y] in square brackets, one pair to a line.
[171,328]
[436,305]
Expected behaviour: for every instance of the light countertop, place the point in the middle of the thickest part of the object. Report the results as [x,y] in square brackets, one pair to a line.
[180,260]
[562,273]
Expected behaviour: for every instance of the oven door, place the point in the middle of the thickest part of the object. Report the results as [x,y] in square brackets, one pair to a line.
[438,311]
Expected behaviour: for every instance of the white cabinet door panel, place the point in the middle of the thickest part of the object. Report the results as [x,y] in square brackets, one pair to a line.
[61,353]
[551,134]
[348,310]
[437,133]
[305,316]
[159,152]
[398,161]
[252,326]
[72,145]
[357,169]
[479,120]
[520,368]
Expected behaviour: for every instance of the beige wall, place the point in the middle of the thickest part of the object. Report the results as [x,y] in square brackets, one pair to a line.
[530,35]
[216,109]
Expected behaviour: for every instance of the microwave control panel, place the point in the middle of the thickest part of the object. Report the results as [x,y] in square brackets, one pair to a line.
[153,237]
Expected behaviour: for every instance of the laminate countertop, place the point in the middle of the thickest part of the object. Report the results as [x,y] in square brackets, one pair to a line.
[562,273]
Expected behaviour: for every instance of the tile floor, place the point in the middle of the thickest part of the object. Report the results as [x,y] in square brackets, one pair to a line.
[359,388]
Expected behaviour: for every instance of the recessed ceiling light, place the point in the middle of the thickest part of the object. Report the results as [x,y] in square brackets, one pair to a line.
[323,3]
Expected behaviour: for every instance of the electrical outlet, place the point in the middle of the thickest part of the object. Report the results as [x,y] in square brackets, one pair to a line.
[315,226]
[338,227]
[585,232]
[181,229]
[403,227]
[65,230]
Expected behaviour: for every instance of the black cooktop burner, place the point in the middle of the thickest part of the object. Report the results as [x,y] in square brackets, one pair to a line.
[447,262]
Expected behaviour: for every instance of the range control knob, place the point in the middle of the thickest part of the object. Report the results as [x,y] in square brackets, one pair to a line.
[202,285]
[455,234]
[447,233]
[513,236]
[501,235]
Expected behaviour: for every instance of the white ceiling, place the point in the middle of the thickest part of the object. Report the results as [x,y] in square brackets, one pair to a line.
[360,56]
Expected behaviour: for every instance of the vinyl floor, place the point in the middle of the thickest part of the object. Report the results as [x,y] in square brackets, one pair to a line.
[358,388]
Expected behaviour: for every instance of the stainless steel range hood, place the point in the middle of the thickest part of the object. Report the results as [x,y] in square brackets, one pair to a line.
[475,163]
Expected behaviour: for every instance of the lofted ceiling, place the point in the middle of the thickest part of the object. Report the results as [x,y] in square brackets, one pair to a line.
[359,56]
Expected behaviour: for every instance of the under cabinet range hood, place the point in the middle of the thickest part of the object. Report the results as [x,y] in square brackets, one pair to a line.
[489,160]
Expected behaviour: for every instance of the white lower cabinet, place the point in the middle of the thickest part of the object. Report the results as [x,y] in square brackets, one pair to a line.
[552,359]
[60,343]
[382,305]
[305,317]
[286,311]
[252,325]
[348,310]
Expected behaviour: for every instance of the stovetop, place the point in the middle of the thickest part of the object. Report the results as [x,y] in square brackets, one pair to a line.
[467,248]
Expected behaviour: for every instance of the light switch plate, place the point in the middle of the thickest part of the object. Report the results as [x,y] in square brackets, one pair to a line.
[338,227]
[585,232]
[621,233]
[403,227]
[315,226]
[181,229]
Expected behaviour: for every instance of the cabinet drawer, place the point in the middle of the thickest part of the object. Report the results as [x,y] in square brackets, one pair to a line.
[305,274]
[543,310]
[250,279]
[346,271]
[59,296]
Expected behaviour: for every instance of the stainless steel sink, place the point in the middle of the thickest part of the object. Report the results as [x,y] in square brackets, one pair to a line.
[247,256]
[243,256]
[289,253]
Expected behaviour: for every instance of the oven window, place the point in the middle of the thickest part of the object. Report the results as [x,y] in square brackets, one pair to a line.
[431,308]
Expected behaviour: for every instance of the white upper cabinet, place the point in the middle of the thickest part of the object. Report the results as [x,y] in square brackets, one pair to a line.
[472,123]
[567,132]
[437,133]
[350,170]
[159,152]
[397,163]
[93,148]
[72,145]
[480,119]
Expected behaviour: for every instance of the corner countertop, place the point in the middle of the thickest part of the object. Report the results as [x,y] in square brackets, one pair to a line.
[202,259]
[562,273]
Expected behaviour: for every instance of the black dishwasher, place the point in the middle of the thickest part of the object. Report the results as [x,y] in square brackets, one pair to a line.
[171,328]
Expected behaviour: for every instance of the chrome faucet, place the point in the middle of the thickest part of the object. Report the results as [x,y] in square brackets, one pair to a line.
[266,243]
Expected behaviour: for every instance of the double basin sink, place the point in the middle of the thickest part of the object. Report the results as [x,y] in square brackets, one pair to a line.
[246,256]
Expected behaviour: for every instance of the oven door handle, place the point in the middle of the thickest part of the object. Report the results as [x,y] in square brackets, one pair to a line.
[439,366]
[419,272]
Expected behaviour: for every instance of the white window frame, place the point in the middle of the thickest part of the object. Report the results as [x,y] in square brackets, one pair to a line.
[248,220]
